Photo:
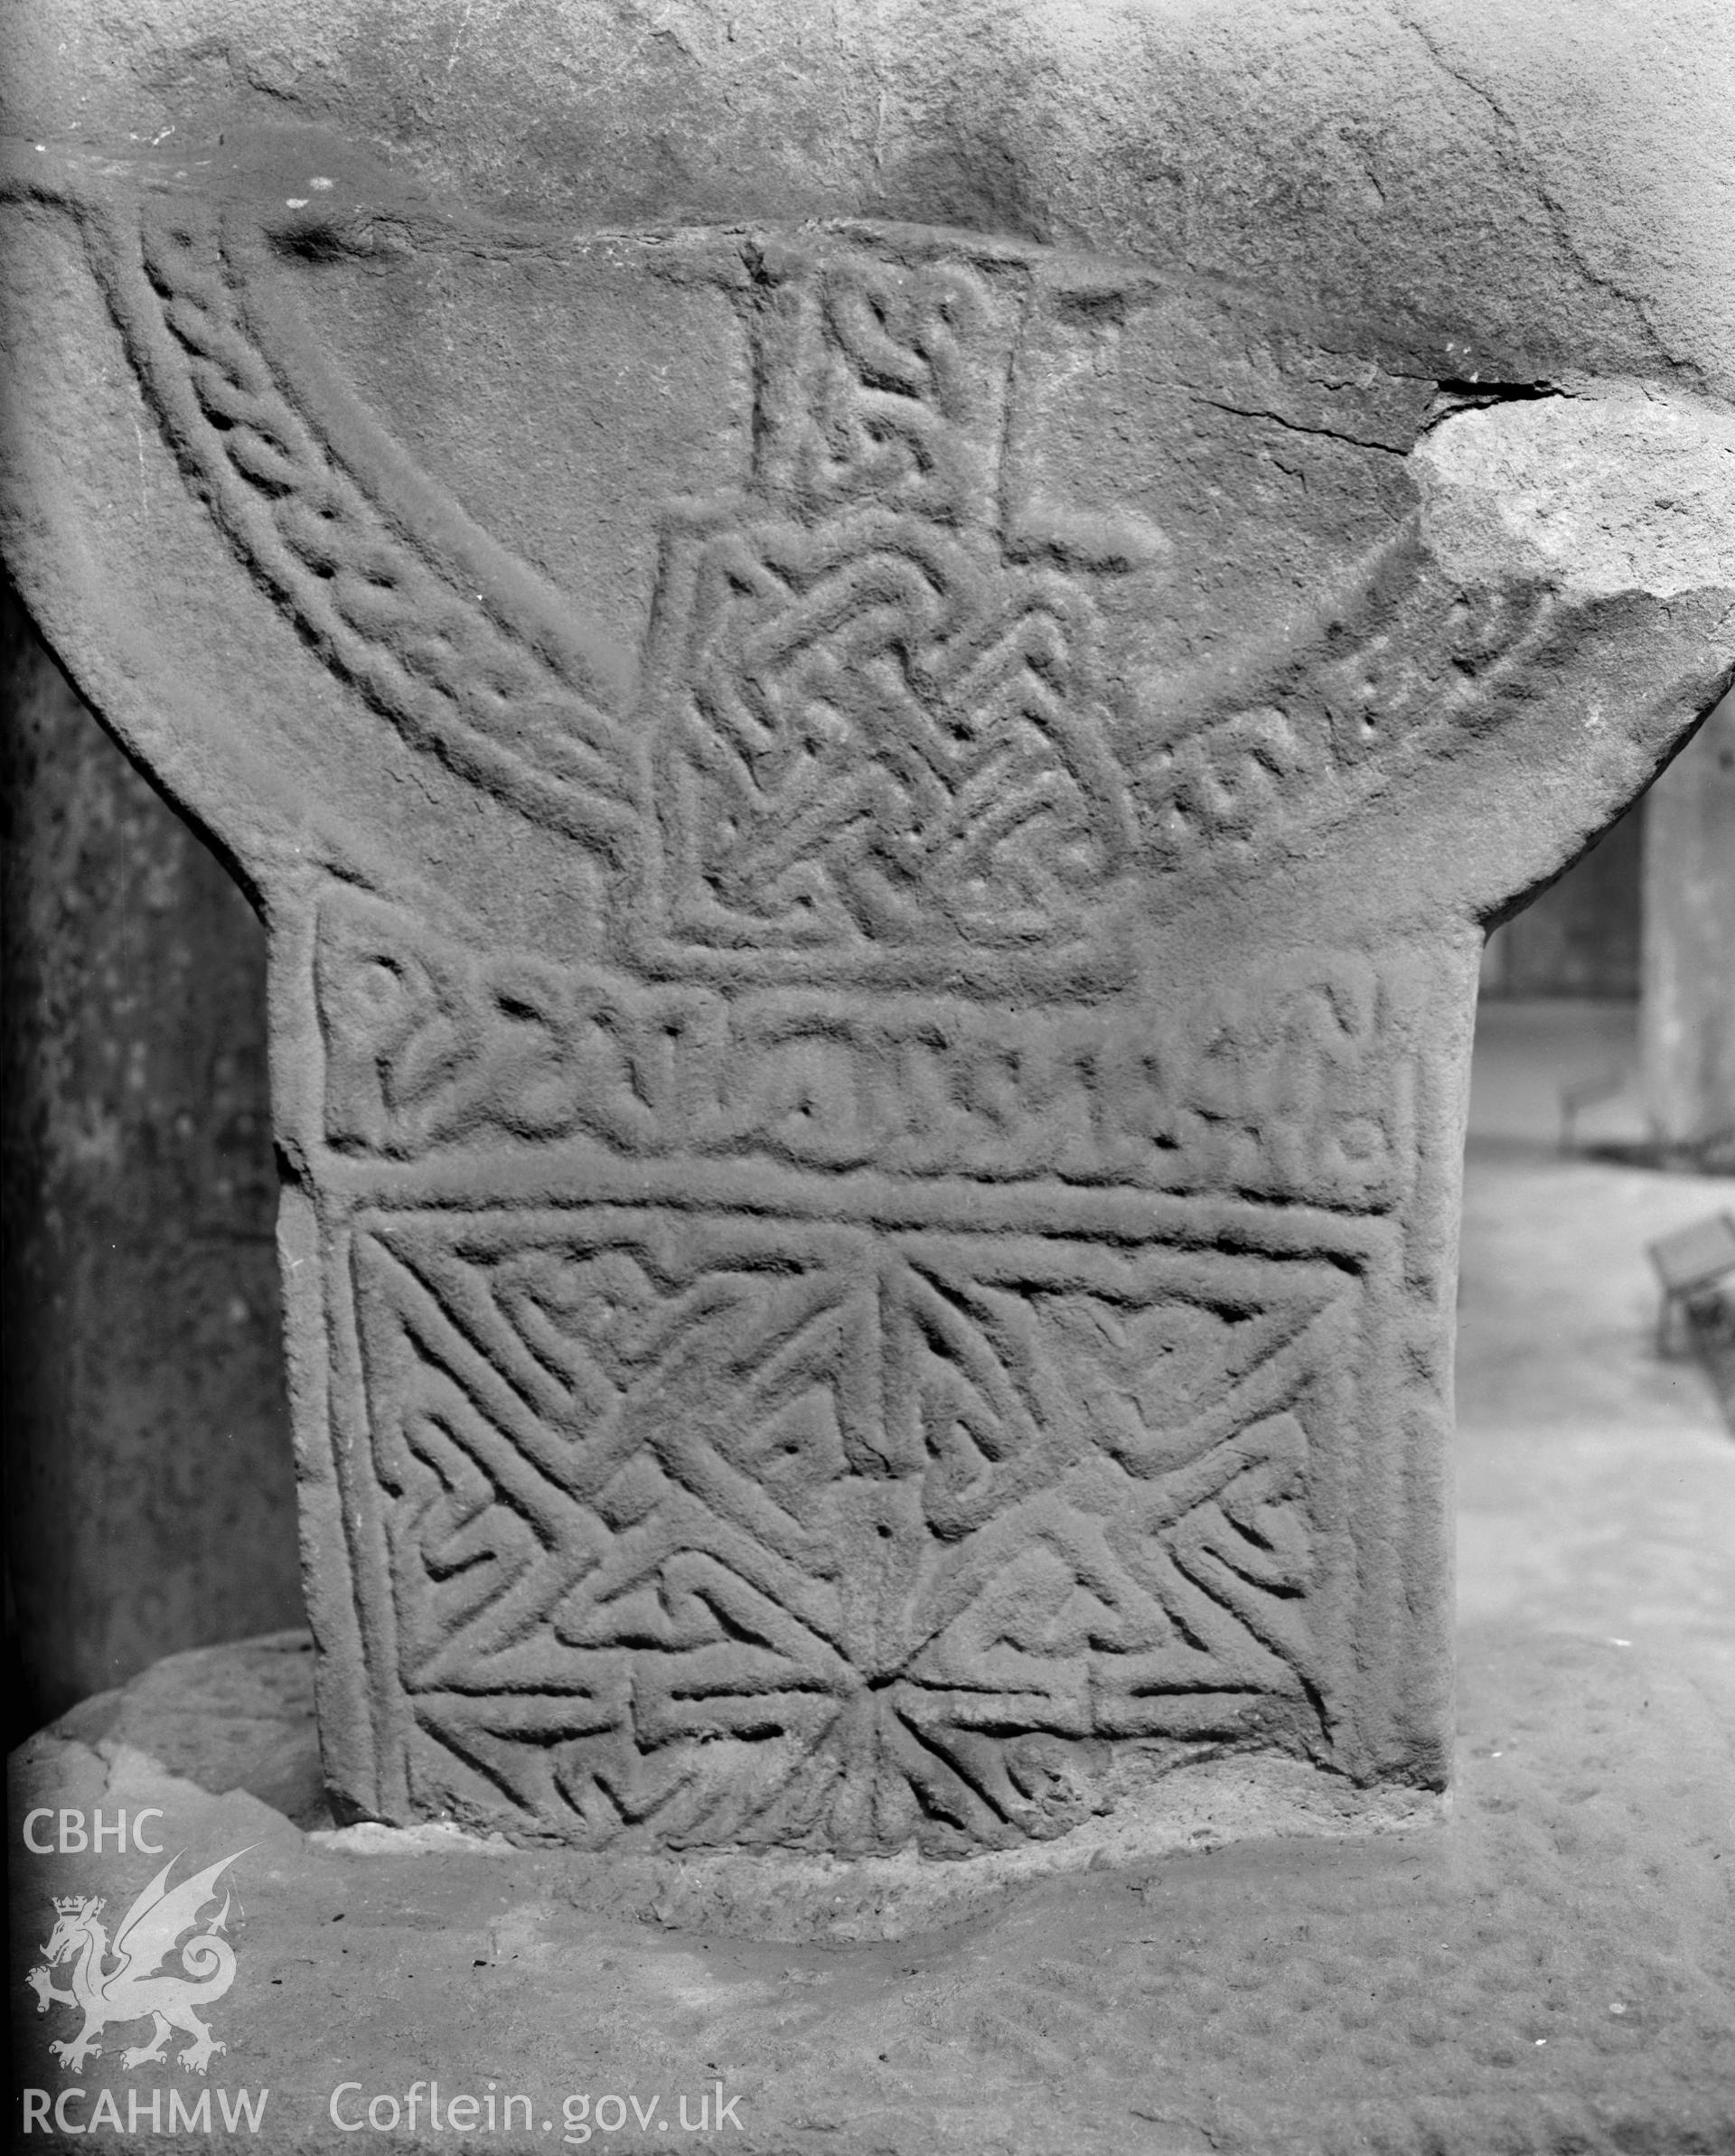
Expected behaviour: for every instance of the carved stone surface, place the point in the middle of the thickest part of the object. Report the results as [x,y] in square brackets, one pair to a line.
[876,836]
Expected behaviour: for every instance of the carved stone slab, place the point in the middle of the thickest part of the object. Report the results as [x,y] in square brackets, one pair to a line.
[875,838]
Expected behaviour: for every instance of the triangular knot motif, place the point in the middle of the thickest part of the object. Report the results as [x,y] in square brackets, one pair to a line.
[880,729]
[849,1320]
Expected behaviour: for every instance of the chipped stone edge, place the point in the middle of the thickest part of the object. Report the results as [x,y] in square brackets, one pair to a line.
[785,1894]
[427,1837]
[1601,488]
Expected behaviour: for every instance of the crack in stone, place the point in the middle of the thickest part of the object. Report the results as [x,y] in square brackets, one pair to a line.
[1559,217]
[1299,427]
[1456,394]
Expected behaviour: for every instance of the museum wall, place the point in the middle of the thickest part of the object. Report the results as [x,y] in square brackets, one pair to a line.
[1581,936]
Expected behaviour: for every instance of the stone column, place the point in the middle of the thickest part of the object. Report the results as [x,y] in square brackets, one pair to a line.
[150,1493]
[876,790]
[1687,1007]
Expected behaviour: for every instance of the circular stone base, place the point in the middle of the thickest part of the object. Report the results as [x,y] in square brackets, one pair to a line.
[241,1716]
[1551,1967]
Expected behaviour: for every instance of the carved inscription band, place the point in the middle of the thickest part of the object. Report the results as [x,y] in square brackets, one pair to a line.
[865,1356]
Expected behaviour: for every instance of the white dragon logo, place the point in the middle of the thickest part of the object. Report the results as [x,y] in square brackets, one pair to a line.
[134,1990]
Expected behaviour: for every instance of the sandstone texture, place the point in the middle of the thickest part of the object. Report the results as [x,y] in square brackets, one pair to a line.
[1547,1973]
[876,679]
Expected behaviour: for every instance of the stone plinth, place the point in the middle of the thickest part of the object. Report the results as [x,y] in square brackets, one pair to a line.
[875,832]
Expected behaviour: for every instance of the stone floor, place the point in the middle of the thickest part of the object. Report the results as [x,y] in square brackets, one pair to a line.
[1552,1968]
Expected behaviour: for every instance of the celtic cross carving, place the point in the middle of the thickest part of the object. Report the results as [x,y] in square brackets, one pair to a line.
[876,729]
[869,1098]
